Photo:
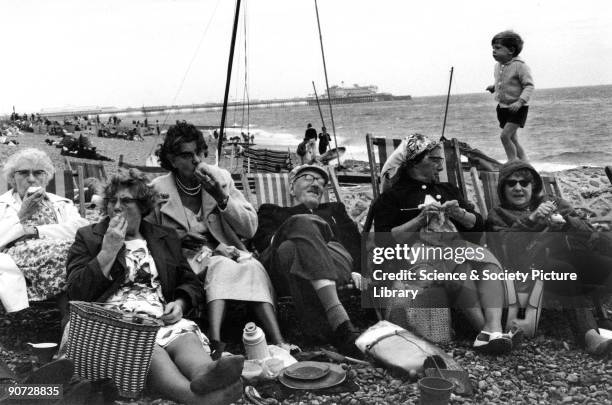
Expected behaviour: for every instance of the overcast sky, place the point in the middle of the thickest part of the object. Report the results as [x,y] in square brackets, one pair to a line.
[60,53]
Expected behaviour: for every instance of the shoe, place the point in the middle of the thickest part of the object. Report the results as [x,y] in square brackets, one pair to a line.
[515,334]
[492,343]
[343,339]
[55,372]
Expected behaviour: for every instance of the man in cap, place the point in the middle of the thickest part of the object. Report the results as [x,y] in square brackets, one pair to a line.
[309,249]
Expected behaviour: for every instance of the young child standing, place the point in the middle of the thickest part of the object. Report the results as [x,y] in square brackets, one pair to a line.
[513,88]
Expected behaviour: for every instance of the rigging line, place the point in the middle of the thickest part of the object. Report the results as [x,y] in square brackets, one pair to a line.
[327,83]
[450,82]
[227,82]
[246,83]
[192,59]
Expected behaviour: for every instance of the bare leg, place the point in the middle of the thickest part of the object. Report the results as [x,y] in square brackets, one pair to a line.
[216,313]
[467,300]
[506,138]
[267,316]
[520,152]
[490,293]
[189,355]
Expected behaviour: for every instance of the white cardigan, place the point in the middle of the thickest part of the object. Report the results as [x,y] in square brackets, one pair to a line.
[68,218]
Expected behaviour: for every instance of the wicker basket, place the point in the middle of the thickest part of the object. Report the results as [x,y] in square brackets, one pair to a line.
[105,344]
[428,315]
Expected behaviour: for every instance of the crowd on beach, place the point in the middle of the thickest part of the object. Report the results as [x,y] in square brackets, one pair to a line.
[168,247]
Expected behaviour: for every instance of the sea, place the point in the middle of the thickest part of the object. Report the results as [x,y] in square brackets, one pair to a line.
[566,127]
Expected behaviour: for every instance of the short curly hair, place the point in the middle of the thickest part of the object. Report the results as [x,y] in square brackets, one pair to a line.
[510,40]
[139,185]
[32,154]
[179,134]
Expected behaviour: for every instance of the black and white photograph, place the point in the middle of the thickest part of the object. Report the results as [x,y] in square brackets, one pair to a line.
[305,202]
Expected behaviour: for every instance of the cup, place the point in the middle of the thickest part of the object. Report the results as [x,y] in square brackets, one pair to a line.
[435,390]
[44,351]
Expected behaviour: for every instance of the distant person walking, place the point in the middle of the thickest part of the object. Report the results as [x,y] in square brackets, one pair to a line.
[513,88]
[324,140]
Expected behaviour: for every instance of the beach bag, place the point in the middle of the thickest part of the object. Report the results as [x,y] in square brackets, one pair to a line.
[105,343]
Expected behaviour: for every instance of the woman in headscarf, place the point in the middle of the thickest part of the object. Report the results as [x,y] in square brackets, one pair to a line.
[212,217]
[537,231]
[417,207]
[37,228]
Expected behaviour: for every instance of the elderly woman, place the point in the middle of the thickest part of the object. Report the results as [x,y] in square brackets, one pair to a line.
[135,266]
[37,229]
[417,204]
[537,231]
[211,217]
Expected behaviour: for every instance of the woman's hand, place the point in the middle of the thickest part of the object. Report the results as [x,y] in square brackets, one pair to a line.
[231,252]
[173,312]
[30,204]
[544,210]
[454,210]
[115,235]
[212,182]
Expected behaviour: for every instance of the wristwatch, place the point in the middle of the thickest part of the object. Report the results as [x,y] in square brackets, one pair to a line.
[223,204]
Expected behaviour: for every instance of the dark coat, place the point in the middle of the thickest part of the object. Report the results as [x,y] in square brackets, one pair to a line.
[271,217]
[398,205]
[86,282]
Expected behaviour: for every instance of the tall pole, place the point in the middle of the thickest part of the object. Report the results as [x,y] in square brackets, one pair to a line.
[227,81]
[331,114]
[318,105]
[447,100]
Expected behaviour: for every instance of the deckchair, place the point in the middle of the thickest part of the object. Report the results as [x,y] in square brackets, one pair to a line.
[452,170]
[265,160]
[274,188]
[90,169]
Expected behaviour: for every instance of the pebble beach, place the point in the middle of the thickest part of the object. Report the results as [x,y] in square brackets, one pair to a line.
[547,369]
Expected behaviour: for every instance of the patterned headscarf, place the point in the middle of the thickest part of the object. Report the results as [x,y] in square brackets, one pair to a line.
[417,144]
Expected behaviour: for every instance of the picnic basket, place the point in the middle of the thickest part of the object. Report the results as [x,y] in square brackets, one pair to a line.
[105,343]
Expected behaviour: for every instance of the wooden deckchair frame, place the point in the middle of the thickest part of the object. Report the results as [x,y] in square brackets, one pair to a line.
[274,188]
[452,170]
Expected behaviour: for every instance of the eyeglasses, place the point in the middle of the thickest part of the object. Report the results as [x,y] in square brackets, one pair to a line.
[523,183]
[124,201]
[311,179]
[36,173]
[188,155]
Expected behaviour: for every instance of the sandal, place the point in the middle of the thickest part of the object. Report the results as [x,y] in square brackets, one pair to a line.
[492,343]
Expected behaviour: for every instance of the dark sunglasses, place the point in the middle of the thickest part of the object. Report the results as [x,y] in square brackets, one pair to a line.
[523,183]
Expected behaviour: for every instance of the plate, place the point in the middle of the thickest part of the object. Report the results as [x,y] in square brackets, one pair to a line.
[336,375]
[307,370]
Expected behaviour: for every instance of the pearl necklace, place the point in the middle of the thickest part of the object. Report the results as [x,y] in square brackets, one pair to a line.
[192,191]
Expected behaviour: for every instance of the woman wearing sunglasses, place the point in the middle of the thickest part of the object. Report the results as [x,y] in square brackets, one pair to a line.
[532,230]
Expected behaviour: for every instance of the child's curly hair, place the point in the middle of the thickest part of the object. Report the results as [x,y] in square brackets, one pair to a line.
[510,40]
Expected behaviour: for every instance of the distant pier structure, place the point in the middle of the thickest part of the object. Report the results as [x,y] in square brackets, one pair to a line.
[338,95]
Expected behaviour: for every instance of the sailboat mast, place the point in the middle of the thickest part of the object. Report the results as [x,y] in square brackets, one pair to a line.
[331,114]
[318,105]
[227,81]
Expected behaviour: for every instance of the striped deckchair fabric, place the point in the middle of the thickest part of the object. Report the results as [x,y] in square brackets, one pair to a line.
[266,160]
[274,188]
[61,184]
